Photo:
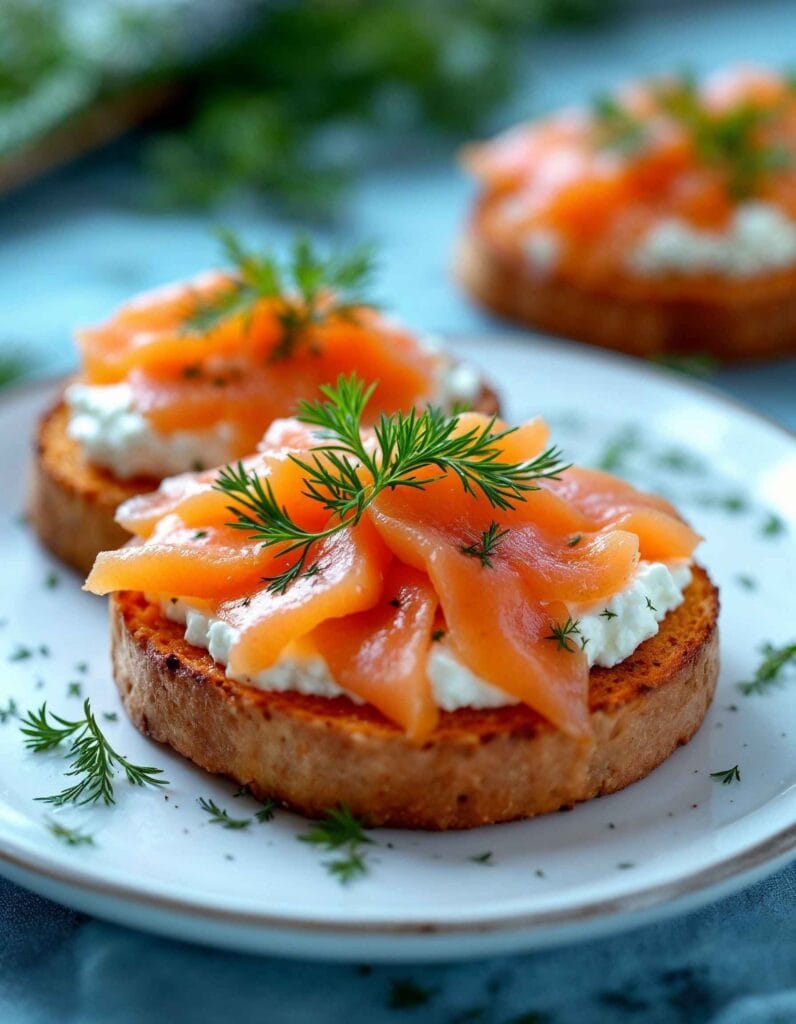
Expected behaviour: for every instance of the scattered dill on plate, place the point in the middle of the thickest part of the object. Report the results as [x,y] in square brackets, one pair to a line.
[93,761]
[341,833]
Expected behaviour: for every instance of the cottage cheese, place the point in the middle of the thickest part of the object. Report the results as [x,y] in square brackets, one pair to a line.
[655,590]
[113,434]
[542,249]
[760,238]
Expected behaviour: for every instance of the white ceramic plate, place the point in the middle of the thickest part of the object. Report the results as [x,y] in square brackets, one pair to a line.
[671,841]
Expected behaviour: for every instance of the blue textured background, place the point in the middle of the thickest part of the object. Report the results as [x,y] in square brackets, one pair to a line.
[76,244]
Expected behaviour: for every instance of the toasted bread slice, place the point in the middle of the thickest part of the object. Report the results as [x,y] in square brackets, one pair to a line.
[478,767]
[72,503]
[761,325]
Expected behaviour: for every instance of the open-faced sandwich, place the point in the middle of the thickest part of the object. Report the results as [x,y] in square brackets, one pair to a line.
[191,375]
[661,220]
[433,621]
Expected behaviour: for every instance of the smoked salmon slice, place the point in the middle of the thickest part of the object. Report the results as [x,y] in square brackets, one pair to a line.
[198,502]
[349,579]
[179,560]
[596,182]
[495,621]
[194,497]
[609,502]
[234,371]
[502,583]
[380,655]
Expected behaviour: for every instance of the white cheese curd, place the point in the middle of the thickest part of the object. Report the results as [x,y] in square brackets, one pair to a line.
[113,434]
[457,381]
[542,249]
[455,686]
[655,590]
[760,238]
[295,671]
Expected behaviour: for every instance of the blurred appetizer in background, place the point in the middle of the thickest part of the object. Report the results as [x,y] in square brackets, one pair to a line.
[661,220]
[191,375]
[437,622]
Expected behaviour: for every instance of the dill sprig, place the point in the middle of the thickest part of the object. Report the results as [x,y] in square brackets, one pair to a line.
[218,816]
[769,671]
[695,364]
[616,127]
[731,140]
[266,812]
[94,762]
[490,538]
[9,711]
[345,475]
[309,289]
[70,836]
[728,775]
[561,634]
[772,526]
[340,832]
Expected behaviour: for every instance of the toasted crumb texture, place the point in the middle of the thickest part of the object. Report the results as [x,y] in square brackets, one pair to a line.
[760,325]
[478,767]
[71,502]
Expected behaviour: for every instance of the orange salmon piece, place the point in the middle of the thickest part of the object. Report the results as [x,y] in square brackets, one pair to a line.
[184,379]
[150,333]
[351,566]
[578,569]
[609,502]
[380,655]
[495,621]
[499,633]
[196,501]
[536,546]
[377,351]
[215,563]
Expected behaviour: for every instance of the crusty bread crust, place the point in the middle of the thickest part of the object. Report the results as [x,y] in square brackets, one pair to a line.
[478,767]
[72,503]
[759,326]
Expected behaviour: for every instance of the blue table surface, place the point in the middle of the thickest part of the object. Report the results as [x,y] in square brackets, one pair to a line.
[79,242]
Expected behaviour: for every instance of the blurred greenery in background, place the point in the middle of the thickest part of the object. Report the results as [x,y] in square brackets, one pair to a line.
[283,99]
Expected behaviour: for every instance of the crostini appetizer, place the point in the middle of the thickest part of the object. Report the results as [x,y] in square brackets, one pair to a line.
[433,621]
[662,220]
[189,376]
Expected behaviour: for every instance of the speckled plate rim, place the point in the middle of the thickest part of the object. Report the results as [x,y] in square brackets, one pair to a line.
[374,940]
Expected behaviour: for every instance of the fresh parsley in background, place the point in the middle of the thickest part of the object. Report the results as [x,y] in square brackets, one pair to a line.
[280,99]
[13,367]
